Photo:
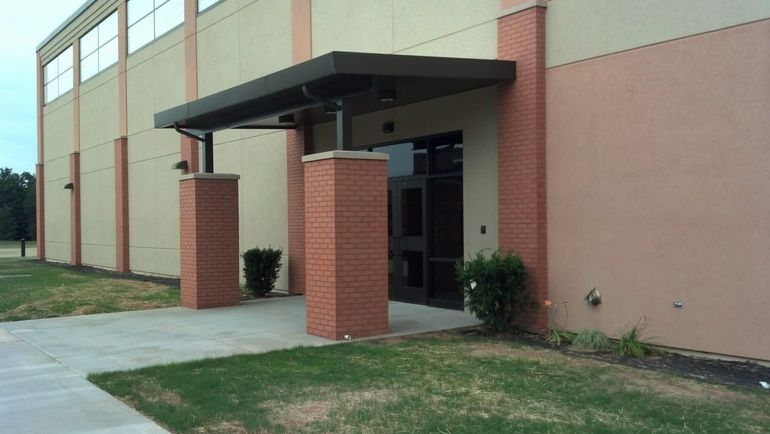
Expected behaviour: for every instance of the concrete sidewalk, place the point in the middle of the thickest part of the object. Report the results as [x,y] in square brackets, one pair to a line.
[43,362]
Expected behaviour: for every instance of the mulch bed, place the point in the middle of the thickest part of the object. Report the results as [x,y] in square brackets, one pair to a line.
[725,372]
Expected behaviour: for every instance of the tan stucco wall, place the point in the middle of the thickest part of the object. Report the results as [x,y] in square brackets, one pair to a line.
[98,130]
[261,161]
[658,190]
[238,42]
[454,28]
[579,29]
[472,112]
[57,146]
[155,81]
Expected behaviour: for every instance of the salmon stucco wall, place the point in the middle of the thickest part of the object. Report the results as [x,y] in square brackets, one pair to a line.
[659,190]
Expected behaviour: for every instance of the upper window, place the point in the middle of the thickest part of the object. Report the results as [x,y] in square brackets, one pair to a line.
[99,48]
[205,4]
[150,19]
[58,75]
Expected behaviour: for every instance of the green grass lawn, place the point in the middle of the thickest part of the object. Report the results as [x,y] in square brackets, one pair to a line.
[31,289]
[442,383]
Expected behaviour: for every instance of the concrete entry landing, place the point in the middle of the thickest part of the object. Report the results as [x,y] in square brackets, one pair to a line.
[43,362]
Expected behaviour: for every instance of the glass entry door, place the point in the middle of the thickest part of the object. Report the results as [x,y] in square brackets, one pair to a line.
[407,261]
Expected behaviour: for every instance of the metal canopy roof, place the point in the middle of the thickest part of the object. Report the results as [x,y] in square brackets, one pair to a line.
[314,90]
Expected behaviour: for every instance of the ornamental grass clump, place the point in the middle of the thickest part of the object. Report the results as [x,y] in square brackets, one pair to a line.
[631,344]
[591,340]
[495,288]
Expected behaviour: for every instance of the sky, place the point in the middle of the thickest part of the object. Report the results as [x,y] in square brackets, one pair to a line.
[23,25]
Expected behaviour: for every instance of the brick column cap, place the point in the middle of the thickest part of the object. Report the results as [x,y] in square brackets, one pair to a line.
[225,176]
[524,5]
[348,155]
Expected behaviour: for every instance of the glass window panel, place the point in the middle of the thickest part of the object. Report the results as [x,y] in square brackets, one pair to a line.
[65,60]
[137,9]
[411,211]
[65,81]
[140,34]
[444,280]
[168,16]
[108,54]
[51,70]
[447,158]
[412,268]
[446,217]
[89,66]
[89,43]
[51,91]
[108,29]
[406,158]
[204,4]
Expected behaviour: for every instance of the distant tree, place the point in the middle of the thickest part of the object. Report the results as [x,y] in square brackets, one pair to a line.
[17,205]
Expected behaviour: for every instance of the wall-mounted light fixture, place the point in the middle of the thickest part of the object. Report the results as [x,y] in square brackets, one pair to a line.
[593,298]
[388,127]
[69,186]
[387,94]
[180,165]
[286,119]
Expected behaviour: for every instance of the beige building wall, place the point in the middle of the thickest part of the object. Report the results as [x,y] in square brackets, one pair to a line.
[155,82]
[579,29]
[98,130]
[57,146]
[453,28]
[658,185]
[239,42]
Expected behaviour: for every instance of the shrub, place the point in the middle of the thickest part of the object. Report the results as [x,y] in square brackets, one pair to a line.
[630,342]
[260,268]
[495,288]
[591,340]
[558,337]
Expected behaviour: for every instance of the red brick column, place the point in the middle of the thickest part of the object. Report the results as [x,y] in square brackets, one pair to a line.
[75,248]
[297,144]
[189,152]
[208,223]
[521,149]
[40,209]
[122,262]
[346,244]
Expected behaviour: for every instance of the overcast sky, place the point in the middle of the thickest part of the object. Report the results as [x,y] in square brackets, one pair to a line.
[23,25]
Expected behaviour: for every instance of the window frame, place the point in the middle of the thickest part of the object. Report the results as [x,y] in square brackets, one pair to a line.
[155,36]
[99,46]
[59,74]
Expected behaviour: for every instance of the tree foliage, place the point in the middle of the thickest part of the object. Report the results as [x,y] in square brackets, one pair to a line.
[17,205]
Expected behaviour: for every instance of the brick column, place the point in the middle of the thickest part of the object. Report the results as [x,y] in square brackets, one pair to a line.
[346,244]
[521,147]
[122,261]
[40,214]
[208,223]
[75,250]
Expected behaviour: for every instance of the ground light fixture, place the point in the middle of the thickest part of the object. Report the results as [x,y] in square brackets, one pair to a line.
[69,186]
[180,165]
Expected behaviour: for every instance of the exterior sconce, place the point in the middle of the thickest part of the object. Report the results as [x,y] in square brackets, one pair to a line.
[593,298]
[387,95]
[69,186]
[388,127]
[286,119]
[180,165]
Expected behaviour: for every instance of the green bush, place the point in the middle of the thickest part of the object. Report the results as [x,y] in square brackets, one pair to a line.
[591,340]
[631,344]
[260,268]
[495,288]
